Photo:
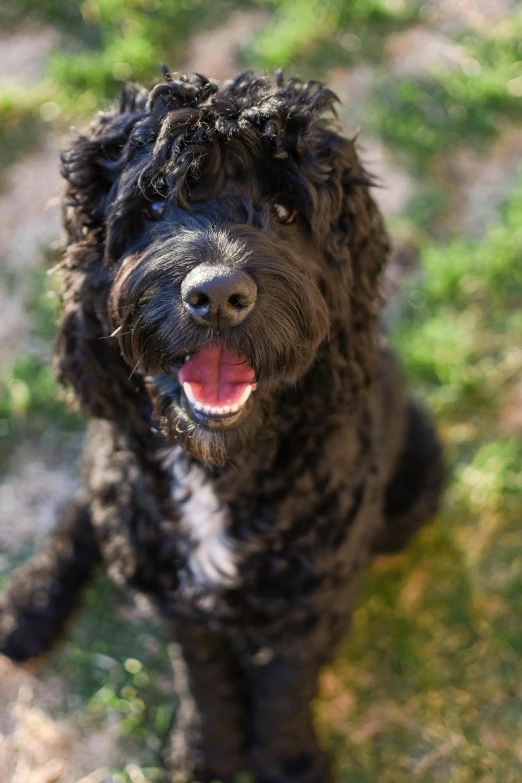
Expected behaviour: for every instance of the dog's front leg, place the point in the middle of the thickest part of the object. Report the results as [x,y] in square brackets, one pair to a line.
[209,738]
[285,748]
[43,592]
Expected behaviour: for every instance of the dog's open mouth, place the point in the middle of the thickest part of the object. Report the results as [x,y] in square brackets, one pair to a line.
[217,383]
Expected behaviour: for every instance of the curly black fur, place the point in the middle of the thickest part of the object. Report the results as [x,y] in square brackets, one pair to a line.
[250,538]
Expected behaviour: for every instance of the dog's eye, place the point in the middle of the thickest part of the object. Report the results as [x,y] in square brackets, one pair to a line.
[155,209]
[285,213]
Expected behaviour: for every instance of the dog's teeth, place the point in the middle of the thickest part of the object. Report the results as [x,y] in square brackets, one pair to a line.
[187,358]
[244,397]
[215,410]
[187,388]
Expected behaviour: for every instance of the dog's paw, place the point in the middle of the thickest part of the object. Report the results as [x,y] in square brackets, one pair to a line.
[21,638]
[302,768]
[183,768]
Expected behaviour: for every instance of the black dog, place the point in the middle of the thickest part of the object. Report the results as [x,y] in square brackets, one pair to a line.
[251,445]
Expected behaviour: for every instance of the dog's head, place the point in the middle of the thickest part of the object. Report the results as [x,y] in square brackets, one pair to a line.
[219,235]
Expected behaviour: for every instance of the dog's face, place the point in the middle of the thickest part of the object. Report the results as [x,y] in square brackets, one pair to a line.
[220,305]
[220,229]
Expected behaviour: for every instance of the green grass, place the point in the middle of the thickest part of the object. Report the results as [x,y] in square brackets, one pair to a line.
[20,124]
[315,33]
[115,664]
[32,405]
[461,331]
[424,117]
[107,42]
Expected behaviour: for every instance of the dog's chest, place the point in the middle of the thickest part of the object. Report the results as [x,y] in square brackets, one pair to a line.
[262,540]
[205,522]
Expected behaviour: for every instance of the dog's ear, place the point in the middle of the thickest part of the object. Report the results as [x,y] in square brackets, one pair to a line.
[357,235]
[92,166]
[356,244]
[86,355]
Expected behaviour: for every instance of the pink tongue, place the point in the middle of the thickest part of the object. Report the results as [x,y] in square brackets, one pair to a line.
[217,376]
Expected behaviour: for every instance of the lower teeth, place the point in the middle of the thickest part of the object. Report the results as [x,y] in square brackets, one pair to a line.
[215,410]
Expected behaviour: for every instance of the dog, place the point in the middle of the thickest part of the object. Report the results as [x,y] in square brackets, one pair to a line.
[251,444]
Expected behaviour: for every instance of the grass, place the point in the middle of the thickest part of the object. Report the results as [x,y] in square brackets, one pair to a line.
[314,34]
[32,405]
[20,125]
[114,663]
[428,687]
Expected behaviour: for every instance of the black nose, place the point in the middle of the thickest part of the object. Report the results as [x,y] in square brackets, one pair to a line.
[218,296]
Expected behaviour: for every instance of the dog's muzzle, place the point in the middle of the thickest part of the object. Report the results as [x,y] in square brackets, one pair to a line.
[217,382]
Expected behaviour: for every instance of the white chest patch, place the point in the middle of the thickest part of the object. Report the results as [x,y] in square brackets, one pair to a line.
[206,521]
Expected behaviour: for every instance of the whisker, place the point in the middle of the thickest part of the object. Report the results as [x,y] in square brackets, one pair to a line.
[136,365]
[109,336]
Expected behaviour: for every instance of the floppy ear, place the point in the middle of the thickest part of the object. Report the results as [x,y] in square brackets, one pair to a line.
[86,356]
[357,234]
[357,243]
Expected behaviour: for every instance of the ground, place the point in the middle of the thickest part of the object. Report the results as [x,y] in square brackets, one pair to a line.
[428,686]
